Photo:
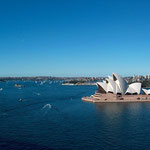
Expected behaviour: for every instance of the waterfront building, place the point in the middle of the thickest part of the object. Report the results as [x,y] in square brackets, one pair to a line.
[118,85]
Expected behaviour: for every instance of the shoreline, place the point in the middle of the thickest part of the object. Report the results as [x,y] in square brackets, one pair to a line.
[71,84]
[112,98]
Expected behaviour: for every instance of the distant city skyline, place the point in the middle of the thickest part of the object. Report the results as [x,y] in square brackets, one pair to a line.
[74,38]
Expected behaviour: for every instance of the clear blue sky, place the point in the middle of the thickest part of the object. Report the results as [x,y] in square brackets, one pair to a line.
[74,37]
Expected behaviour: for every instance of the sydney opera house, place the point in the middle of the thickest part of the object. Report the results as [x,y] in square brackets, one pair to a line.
[117,85]
[116,89]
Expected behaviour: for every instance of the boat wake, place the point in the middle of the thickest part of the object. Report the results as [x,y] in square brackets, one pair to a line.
[49,106]
[46,108]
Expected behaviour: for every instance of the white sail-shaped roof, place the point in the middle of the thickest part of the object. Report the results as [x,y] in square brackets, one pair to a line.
[112,84]
[109,88]
[136,87]
[146,91]
[130,90]
[103,85]
[118,91]
[122,84]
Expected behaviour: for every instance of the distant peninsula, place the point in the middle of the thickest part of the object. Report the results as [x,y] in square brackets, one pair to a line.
[78,82]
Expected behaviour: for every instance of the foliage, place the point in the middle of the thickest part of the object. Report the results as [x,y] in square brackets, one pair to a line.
[74,81]
[146,83]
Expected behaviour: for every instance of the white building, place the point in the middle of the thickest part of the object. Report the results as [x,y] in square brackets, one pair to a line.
[117,85]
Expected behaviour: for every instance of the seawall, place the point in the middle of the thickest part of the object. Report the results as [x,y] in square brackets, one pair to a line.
[112,98]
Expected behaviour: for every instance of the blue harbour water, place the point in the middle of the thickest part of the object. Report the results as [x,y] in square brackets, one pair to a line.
[53,117]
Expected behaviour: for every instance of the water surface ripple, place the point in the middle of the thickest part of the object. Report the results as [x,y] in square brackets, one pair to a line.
[50,116]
